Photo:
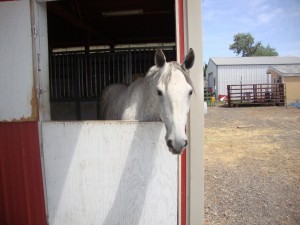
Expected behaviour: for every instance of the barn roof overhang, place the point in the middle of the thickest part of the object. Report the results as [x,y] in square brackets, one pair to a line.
[102,22]
[260,60]
[285,70]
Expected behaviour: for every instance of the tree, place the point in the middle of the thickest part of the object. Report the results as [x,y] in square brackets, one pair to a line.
[265,51]
[243,43]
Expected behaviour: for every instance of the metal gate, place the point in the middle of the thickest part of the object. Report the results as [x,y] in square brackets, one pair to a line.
[77,77]
[256,94]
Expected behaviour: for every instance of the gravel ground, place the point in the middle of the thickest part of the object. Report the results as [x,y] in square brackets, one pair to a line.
[252,173]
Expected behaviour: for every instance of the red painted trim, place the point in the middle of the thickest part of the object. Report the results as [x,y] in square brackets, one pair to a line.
[183,156]
[21,185]
[183,188]
[181,29]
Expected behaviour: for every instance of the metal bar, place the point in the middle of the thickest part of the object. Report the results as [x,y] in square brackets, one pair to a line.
[68,76]
[51,74]
[118,66]
[77,93]
[113,68]
[109,69]
[90,75]
[104,71]
[144,61]
[140,66]
[63,76]
[135,62]
[73,76]
[129,63]
[148,57]
[57,71]
[100,74]
[95,91]
[85,65]
[123,69]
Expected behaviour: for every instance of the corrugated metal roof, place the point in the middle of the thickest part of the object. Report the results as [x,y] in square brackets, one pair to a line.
[262,60]
[287,70]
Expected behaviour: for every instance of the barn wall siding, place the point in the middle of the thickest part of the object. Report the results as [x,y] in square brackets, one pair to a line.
[17,92]
[21,185]
[241,74]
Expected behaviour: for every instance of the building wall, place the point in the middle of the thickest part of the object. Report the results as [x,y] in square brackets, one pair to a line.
[292,85]
[16,66]
[211,74]
[274,77]
[221,76]
[292,89]
[240,74]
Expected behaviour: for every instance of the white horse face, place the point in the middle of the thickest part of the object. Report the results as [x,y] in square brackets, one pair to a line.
[174,93]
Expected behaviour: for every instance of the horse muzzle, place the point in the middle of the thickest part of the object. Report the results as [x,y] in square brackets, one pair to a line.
[176,147]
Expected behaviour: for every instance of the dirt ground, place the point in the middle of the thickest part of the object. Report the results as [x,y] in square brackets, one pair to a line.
[252,173]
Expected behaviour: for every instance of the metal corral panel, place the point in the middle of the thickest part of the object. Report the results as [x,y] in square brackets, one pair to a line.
[109,173]
[21,185]
[17,92]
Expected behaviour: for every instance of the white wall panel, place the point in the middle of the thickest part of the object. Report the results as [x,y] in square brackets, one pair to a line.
[211,74]
[237,74]
[109,173]
[16,68]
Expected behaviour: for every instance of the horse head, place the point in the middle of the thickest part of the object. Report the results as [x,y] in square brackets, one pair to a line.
[173,92]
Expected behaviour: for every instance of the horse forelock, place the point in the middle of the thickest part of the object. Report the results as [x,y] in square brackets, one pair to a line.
[166,73]
[176,66]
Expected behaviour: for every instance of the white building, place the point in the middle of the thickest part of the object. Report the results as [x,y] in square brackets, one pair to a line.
[223,71]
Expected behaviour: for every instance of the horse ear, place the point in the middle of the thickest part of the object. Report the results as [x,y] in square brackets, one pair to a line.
[188,60]
[159,58]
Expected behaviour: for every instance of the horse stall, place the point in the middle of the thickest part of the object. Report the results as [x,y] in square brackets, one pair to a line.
[78,77]
[58,163]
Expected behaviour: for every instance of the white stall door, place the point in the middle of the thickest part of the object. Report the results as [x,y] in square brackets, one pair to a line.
[109,173]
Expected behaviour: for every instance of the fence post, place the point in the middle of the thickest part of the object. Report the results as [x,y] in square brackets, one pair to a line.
[228,94]
[255,93]
[241,93]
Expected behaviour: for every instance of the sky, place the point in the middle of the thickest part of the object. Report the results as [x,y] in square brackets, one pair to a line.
[273,22]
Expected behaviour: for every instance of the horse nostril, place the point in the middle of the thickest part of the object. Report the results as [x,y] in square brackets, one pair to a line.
[169,143]
[185,143]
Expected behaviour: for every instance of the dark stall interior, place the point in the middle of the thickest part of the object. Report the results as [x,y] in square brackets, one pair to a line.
[94,43]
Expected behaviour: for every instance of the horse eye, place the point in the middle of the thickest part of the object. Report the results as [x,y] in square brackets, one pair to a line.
[191,92]
[159,92]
